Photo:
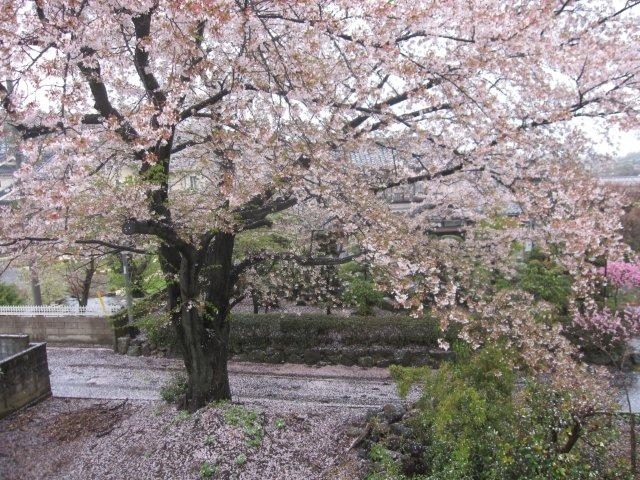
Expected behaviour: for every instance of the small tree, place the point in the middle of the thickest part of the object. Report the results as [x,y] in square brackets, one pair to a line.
[79,278]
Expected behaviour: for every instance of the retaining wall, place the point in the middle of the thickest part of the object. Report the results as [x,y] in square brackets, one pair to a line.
[24,377]
[70,329]
[12,344]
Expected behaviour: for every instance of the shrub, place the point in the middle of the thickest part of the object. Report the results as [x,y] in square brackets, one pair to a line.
[208,470]
[240,460]
[10,295]
[158,329]
[146,274]
[363,295]
[475,420]
[175,389]
[546,281]
[311,330]
[293,334]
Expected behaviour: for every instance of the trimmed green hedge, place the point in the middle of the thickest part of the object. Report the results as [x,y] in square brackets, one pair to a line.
[308,331]
[310,339]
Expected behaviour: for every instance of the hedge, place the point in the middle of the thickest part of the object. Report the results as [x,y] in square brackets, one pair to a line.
[338,340]
[317,338]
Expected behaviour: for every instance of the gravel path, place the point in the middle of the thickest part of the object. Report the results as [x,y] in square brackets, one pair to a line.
[100,373]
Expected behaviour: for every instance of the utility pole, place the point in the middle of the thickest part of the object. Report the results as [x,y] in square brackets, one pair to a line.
[126,270]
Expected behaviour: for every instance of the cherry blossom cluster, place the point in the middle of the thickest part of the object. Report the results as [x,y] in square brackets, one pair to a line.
[622,274]
[610,326]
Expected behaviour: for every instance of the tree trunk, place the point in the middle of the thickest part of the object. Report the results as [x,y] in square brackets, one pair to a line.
[199,303]
[85,289]
[205,356]
[255,301]
[36,292]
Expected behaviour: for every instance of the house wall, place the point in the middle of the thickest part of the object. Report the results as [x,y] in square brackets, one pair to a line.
[24,377]
[70,329]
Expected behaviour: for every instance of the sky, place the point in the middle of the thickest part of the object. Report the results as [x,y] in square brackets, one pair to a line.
[609,139]
[627,143]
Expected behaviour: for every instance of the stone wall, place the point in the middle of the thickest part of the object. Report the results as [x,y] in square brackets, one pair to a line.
[72,329]
[12,344]
[24,378]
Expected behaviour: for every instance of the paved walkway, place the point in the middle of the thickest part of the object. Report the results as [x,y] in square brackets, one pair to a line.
[101,373]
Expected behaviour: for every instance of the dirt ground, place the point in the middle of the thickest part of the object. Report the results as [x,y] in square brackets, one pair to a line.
[62,438]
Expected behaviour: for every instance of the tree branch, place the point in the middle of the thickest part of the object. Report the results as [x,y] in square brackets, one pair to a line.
[142,26]
[419,178]
[163,231]
[190,143]
[90,69]
[305,261]
[573,437]
[253,214]
[196,107]
[628,6]
[116,247]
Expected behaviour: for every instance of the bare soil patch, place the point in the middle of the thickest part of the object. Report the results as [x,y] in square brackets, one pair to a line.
[98,420]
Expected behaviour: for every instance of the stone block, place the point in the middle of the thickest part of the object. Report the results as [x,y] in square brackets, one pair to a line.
[12,344]
[134,351]
[122,345]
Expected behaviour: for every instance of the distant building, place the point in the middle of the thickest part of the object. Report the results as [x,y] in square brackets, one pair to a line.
[8,165]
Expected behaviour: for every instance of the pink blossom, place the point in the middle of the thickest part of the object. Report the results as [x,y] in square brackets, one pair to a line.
[612,326]
[622,274]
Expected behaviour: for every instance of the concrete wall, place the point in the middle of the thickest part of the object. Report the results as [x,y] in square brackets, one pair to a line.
[87,330]
[24,378]
[12,344]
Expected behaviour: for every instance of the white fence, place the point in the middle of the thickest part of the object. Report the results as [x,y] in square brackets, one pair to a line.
[58,310]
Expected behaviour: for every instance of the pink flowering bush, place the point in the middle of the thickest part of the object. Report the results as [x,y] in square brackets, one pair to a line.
[622,274]
[607,327]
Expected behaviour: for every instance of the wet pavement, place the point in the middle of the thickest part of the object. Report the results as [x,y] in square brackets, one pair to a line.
[633,388]
[102,374]
[632,381]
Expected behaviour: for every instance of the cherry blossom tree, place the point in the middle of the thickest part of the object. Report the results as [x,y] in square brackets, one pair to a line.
[274,106]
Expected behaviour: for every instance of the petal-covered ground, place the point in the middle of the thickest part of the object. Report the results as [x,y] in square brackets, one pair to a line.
[63,438]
